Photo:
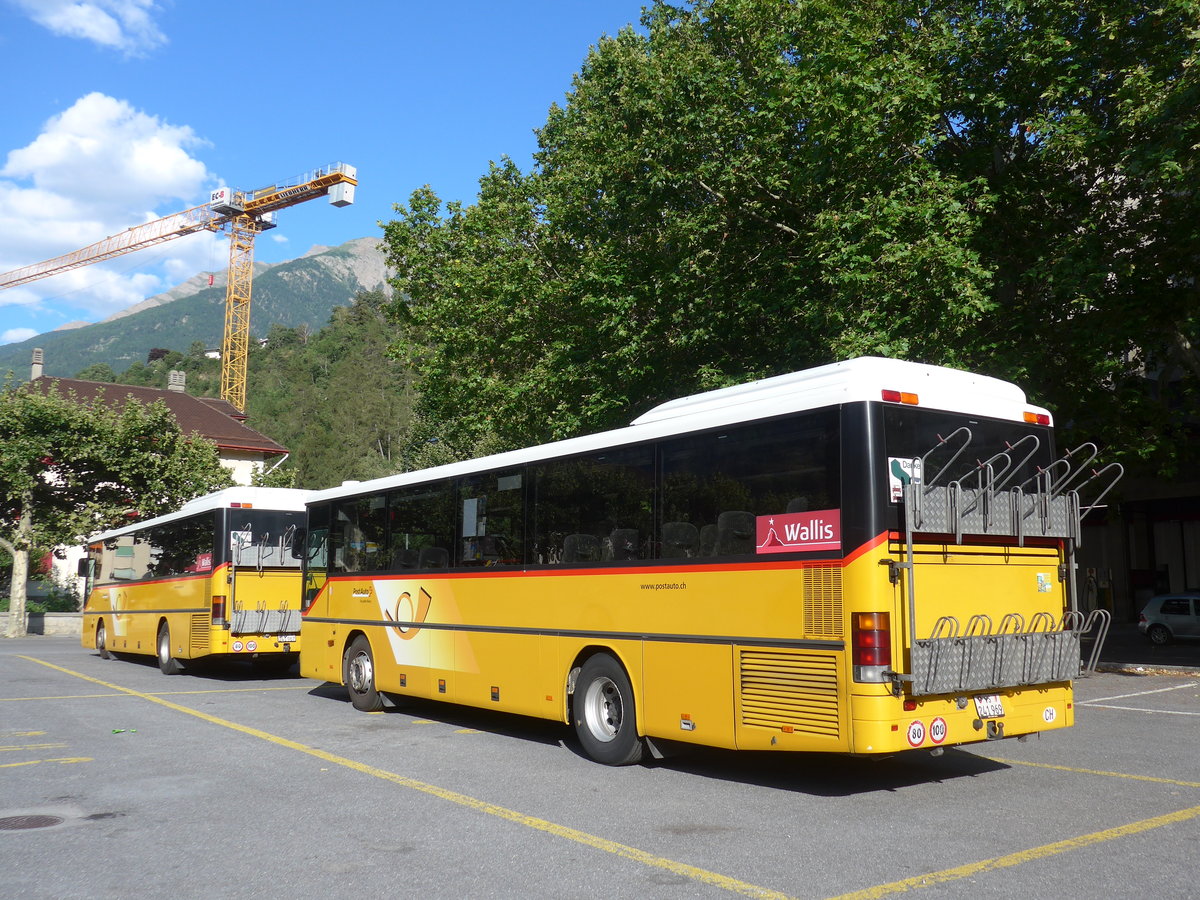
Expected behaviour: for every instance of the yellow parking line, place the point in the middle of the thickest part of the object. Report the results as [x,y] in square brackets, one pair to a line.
[1078,771]
[571,834]
[302,687]
[66,760]
[1015,859]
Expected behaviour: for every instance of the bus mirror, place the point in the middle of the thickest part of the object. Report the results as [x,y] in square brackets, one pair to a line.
[85,567]
[299,538]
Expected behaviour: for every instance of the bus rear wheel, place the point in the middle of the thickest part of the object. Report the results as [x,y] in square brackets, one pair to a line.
[604,713]
[166,662]
[358,674]
[102,642]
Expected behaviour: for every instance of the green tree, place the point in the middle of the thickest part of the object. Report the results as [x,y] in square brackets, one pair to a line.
[336,398]
[98,372]
[70,468]
[746,187]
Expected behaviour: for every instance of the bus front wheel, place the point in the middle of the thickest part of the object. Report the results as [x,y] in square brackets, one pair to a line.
[166,662]
[358,674]
[604,715]
[102,642]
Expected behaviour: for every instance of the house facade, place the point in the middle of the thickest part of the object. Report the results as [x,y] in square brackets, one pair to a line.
[241,449]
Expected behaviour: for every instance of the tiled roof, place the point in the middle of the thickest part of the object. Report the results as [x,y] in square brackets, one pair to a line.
[210,417]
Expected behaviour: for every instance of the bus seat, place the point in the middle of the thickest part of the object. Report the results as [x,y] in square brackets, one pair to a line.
[623,543]
[581,548]
[735,533]
[433,558]
[405,558]
[708,540]
[679,540]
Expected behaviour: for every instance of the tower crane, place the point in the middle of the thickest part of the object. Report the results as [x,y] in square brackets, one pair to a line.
[243,214]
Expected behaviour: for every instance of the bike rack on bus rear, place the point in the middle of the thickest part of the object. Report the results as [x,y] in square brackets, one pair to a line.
[981,655]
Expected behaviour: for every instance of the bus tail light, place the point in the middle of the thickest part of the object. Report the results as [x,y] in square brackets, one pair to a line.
[871,646]
[900,397]
[218,609]
[1036,418]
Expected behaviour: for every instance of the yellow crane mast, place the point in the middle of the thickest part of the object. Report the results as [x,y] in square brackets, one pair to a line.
[244,214]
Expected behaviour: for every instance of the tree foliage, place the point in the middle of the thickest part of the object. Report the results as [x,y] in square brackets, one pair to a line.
[71,468]
[746,187]
[335,398]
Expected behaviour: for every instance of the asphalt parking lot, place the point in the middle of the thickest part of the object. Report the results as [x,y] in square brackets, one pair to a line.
[115,779]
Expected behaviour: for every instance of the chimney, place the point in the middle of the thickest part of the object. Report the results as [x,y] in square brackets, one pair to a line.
[35,370]
[176,380]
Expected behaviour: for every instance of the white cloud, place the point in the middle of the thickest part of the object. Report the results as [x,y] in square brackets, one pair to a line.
[125,25]
[16,335]
[96,169]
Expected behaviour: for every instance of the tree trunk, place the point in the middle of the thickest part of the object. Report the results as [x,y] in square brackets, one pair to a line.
[17,625]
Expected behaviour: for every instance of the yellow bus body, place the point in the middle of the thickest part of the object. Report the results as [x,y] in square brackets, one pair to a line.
[752,657]
[132,613]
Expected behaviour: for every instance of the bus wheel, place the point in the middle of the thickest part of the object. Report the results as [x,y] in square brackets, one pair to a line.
[102,642]
[358,674]
[604,715]
[169,664]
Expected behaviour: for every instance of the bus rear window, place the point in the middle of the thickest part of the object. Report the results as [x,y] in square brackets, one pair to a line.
[1015,449]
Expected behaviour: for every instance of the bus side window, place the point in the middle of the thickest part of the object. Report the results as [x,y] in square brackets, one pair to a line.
[593,508]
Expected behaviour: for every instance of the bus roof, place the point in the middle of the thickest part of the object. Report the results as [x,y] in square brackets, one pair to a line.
[850,381]
[284,499]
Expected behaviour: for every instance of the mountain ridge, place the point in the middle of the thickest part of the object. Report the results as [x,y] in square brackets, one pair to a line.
[301,291]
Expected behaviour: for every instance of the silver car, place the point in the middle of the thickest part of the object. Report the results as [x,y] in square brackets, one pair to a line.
[1171,616]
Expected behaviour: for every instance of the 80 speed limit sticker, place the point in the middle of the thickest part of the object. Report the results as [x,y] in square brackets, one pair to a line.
[916,733]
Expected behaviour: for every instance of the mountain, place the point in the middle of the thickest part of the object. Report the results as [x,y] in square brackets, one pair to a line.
[299,292]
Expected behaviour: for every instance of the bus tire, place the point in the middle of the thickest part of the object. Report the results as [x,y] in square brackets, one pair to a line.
[166,662]
[358,674]
[102,641]
[604,713]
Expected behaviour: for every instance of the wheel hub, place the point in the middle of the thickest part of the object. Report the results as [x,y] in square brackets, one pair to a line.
[359,670]
[602,709]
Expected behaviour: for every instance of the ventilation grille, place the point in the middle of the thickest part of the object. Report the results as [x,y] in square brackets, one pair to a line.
[201,633]
[823,602]
[785,688]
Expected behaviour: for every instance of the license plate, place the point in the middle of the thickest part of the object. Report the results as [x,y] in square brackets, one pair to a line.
[988,706]
[292,638]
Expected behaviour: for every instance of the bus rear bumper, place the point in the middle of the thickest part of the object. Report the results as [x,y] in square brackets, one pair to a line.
[883,725]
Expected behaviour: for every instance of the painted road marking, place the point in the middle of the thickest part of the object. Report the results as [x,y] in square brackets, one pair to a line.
[1021,857]
[1142,709]
[1177,687]
[302,687]
[1078,771]
[66,760]
[715,879]
[571,834]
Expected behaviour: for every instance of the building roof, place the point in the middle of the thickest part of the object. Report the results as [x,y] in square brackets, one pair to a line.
[210,418]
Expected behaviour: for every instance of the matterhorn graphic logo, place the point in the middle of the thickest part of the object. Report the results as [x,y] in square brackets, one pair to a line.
[796,532]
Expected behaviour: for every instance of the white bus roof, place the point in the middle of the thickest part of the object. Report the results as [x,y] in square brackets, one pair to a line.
[282,499]
[851,381]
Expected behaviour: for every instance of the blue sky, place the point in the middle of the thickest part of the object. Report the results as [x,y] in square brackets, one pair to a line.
[118,112]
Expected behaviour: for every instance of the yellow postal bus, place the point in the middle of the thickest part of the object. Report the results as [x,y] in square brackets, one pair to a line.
[867,557]
[219,576]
